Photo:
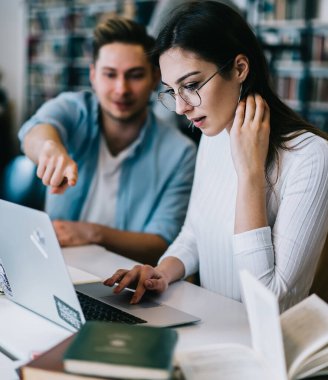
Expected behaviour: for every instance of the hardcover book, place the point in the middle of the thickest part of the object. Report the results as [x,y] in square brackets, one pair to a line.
[49,366]
[124,351]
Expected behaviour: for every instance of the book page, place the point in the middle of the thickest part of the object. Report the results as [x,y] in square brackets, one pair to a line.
[315,364]
[223,362]
[305,331]
[263,315]
[79,276]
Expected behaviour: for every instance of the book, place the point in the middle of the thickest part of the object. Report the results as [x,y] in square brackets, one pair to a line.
[49,365]
[123,351]
[292,345]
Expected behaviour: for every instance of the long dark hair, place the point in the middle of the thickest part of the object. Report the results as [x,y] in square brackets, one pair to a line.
[217,33]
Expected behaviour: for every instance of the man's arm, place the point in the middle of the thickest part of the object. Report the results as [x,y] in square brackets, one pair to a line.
[43,146]
[139,246]
[36,138]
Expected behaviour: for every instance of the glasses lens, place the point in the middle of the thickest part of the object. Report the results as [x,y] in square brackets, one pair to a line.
[190,97]
[167,100]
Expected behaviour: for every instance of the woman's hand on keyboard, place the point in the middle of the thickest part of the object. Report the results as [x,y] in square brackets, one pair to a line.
[142,277]
[146,277]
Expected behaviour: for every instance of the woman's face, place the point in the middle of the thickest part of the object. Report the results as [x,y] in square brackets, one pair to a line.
[219,96]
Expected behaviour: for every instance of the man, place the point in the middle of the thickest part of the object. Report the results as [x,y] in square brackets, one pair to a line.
[118,177]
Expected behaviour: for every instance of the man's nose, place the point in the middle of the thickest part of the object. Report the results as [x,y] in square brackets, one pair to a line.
[181,106]
[121,86]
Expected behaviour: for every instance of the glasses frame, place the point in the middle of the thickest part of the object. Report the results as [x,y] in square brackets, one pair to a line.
[173,95]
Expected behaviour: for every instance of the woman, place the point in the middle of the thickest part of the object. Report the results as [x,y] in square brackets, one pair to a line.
[259,199]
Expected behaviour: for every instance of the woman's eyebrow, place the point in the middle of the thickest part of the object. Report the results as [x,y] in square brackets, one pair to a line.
[183,77]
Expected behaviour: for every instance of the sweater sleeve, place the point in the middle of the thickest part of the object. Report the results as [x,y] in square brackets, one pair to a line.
[184,248]
[284,256]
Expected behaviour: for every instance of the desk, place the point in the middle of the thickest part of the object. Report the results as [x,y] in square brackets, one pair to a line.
[223,320]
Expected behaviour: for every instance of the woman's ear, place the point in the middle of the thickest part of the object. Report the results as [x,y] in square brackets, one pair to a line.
[241,66]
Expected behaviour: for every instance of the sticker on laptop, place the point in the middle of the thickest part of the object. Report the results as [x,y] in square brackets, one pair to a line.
[4,282]
[68,313]
[39,241]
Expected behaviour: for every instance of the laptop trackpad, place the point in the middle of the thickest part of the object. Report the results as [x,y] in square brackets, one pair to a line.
[123,300]
[156,314]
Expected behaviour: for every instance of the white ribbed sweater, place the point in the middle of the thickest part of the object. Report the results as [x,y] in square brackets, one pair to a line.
[283,256]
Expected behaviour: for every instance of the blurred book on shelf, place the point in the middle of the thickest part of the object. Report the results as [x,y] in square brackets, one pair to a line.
[294,35]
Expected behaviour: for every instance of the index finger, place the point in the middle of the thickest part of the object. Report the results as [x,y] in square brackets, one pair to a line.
[260,109]
[116,277]
[266,116]
[128,278]
[71,174]
[239,114]
[59,189]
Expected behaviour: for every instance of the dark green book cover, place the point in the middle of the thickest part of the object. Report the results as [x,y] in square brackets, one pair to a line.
[119,350]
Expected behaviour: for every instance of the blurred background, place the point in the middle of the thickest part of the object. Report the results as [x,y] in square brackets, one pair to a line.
[45,49]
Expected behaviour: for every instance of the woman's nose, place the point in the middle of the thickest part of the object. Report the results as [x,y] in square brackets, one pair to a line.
[181,106]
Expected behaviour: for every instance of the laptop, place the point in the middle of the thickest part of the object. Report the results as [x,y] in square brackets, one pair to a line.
[34,275]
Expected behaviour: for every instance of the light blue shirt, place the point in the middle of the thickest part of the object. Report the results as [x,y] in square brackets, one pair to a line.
[155,181]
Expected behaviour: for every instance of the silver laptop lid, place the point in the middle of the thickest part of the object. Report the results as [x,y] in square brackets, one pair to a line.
[32,270]
[33,274]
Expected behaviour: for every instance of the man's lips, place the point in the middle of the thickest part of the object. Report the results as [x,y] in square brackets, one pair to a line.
[123,105]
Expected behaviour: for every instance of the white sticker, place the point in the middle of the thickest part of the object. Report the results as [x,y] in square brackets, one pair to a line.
[4,282]
[68,313]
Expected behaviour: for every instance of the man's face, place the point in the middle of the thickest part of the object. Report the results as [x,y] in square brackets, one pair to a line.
[123,80]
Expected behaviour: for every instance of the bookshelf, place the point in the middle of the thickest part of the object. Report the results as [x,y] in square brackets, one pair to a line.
[59,42]
[294,34]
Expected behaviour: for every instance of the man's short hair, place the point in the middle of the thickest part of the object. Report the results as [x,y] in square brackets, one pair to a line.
[119,29]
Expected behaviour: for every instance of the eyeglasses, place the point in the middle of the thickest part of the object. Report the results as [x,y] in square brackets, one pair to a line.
[188,93]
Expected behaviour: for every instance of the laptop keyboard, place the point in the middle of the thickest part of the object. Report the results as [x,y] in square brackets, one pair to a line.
[95,310]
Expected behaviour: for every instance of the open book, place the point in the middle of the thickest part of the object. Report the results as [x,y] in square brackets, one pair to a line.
[293,345]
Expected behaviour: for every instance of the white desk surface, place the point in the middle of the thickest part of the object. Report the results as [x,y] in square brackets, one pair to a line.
[223,320]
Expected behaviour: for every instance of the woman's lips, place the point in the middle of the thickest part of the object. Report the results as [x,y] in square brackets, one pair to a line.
[199,121]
